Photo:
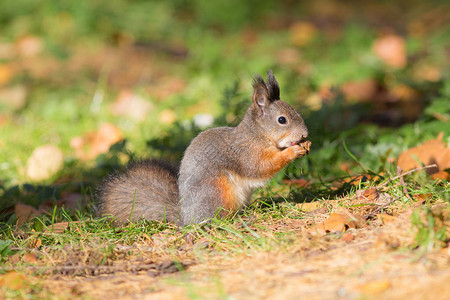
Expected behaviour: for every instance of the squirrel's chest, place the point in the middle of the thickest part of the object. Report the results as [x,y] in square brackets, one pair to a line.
[241,188]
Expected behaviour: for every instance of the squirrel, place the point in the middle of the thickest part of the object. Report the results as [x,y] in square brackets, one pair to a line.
[219,170]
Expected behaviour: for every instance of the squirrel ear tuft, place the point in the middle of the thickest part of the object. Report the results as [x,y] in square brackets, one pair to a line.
[272,87]
[260,93]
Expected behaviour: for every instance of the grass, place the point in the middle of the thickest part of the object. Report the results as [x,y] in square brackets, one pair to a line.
[190,58]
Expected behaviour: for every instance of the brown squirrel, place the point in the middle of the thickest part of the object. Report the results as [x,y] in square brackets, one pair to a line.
[219,171]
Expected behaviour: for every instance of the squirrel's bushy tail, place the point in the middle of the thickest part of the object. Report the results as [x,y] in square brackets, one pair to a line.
[146,189]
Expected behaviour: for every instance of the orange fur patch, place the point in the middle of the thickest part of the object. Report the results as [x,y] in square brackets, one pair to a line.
[272,161]
[227,195]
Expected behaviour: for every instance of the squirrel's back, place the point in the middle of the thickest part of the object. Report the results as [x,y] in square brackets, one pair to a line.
[146,189]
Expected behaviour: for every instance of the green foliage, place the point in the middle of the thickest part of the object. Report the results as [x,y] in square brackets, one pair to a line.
[5,249]
[431,227]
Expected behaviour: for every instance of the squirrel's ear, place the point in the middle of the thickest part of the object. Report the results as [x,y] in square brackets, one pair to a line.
[260,93]
[272,87]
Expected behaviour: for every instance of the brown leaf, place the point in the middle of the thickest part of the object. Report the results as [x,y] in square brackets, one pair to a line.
[347,237]
[12,280]
[300,182]
[92,144]
[45,161]
[391,50]
[29,258]
[25,213]
[131,105]
[369,195]
[420,198]
[362,90]
[384,219]
[302,33]
[441,175]
[60,227]
[430,152]
[341,222]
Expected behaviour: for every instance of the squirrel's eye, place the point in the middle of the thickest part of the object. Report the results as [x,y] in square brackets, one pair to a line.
[282,120]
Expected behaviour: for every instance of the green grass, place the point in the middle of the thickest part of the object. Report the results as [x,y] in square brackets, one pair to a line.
[220,51]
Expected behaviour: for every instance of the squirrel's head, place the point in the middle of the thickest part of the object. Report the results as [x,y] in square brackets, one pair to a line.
[276,119]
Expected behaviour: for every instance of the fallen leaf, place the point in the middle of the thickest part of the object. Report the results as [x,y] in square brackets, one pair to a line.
[45,161]
[6,74]
[384,219]
[14,97]
[361,90]
[29,258]
[391,50]
[347,237]
[302,33]
[317,229]
[92,144]
[374,287]
[29,46]
[341,222]
[434,151]
[25,213]
[59,227]
[131,105]
[441,175]
[12,280]
[421,198]
[369,195]
[300,182]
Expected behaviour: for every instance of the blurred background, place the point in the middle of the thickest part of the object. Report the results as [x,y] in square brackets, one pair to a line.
[369,77]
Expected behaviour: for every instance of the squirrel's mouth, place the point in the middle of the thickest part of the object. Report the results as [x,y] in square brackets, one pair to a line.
[303,143]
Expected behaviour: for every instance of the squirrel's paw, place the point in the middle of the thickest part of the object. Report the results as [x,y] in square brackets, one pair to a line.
[296,151]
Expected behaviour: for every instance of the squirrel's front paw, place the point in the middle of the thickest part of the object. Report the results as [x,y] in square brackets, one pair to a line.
[295,151]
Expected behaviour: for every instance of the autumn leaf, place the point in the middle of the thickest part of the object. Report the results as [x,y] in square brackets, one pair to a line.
[45,161]
[25,213]
[434,151]
[92,144]
[384,218]
[391,50]
[13,280]
[60,227]
[29,258]
[341,222]
[361,90]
